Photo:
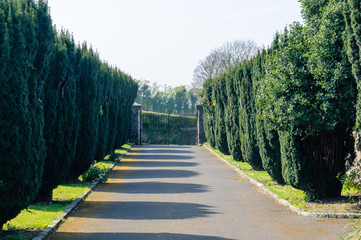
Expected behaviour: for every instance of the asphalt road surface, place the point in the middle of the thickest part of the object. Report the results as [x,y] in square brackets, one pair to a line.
[160,192]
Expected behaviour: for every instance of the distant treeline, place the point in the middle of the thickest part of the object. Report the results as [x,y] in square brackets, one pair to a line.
[61,107]
[292,108]
[179,100]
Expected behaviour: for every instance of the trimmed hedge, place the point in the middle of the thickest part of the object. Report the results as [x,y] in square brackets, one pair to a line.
[296,100]
[25,45]
[60,106]
[161,128]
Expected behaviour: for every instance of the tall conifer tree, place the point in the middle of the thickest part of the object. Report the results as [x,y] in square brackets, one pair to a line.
[60,114]
[89,109]
[247,114]
[23,68]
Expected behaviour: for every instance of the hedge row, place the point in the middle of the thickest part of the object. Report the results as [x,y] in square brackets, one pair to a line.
[60,106]
[164,128]
[291,109]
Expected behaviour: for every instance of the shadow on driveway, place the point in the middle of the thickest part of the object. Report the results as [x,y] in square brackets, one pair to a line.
[134,236]
[165,151]
[156,173]
[143,210]
[158,157]
[153,188]
[156,164]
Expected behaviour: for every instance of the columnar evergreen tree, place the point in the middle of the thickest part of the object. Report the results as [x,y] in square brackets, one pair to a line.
[41,38]
[267,138]
[89,110]
[23,24]
[120,136]
[114,104]
[60,114]
[232,117]
[103,134]
[220,135]
[353,42]
[208,104]
[247,112]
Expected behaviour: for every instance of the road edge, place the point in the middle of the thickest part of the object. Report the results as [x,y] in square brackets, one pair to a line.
[281,201]
[62,217]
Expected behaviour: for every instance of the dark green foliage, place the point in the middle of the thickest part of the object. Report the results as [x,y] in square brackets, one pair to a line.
[104,101]
[267,138]
[312,11]
[24,49]
[352,14]
[41,38]
[220,97]
[300,96]
[231,117]
[181,99]
[316,173]
[127,92]
[56,99]
[164,128]
[104,112]
[60,109]
[309,96]
[247,114]
[89,108]
[208,105]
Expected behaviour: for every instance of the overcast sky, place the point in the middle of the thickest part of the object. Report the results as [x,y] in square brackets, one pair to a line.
[163,40]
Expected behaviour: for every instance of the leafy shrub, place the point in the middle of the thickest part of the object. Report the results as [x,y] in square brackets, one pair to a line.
[97,171]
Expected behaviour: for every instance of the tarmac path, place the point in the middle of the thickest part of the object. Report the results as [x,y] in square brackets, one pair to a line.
[160,192]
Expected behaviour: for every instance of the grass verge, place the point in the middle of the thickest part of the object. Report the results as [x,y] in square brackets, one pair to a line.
[31,221]
[349,202]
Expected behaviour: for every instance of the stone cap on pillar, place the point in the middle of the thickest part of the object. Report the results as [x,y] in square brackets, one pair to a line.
[137,105]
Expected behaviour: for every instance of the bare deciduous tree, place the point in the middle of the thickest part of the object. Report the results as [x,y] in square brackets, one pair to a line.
[221,59]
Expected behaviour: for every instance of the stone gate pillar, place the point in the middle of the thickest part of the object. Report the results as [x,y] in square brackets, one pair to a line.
[201,137]
[136,136]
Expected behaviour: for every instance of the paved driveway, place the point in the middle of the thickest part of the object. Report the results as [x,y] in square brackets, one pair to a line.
[185,193]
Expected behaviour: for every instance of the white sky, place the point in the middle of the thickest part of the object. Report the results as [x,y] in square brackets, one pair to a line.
[162,40]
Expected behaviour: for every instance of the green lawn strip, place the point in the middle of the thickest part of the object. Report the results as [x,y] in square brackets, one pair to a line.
[69,192]
[295,196]
[37,217]
[118,153]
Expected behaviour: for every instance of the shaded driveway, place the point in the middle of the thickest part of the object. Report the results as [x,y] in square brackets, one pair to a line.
[184,192]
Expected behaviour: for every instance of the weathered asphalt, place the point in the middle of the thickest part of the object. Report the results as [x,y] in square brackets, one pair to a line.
[185,193]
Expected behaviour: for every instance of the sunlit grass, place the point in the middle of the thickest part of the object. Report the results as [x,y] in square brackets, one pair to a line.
[37,216]
[115,156]
[295,196]
[69,192]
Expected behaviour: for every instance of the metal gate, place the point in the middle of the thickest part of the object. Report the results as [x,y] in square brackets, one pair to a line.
[160,128]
